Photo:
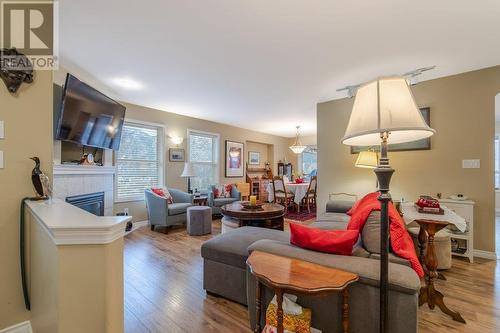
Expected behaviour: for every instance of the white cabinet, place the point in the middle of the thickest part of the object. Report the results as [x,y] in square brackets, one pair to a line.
[465,239]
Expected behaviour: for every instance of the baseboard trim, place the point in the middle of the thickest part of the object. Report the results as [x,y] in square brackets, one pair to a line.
[24,327]
[135,226]
[485,254]
[139,224]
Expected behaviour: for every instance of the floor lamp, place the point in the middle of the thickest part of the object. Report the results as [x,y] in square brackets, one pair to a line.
[385,108]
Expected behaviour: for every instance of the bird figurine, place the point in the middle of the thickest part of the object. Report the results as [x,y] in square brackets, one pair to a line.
[38,178]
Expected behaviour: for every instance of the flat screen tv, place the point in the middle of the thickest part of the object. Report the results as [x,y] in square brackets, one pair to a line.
[88,117]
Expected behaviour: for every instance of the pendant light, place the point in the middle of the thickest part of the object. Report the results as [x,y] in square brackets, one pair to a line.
[297,147]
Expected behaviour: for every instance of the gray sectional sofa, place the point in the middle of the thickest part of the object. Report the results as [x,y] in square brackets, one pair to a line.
[226,274]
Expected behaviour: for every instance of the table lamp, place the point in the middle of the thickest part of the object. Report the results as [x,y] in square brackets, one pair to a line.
[385,109]
[188,172]
[367,159]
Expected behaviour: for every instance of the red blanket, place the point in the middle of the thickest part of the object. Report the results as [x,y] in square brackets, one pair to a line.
[401,241]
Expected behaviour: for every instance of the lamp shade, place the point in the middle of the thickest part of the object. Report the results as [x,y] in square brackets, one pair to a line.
[367,159]
[385,105]
[188,170]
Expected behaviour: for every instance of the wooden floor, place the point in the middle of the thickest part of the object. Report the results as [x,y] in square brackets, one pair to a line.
[164,290]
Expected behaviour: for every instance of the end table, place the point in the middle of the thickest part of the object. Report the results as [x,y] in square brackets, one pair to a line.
[201,200]
[429,294]
[296,276]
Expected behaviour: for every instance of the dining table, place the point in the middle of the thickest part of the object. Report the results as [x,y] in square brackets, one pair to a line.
[299,191]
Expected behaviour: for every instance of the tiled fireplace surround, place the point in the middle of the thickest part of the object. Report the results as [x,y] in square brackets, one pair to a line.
[70,180]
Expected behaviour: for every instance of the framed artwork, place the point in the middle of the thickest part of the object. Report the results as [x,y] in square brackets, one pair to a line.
[424,144]
[234,159]
[254,157]
[176,155]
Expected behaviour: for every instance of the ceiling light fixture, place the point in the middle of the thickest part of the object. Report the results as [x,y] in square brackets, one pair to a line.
[127,83]
[297,147]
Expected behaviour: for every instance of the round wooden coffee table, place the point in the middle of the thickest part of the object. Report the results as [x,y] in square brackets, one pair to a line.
[270,216]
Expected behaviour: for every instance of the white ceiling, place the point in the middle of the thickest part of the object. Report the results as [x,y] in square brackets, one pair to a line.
[264,64]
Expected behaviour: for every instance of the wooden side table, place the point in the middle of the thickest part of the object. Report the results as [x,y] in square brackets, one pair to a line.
[429,294]
[296,276]
[202,200]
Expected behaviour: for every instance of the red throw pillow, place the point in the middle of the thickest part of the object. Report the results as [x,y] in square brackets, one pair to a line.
[158,191]
[329,241]
[227,190]
[360,202]
[164,193]
[216,193]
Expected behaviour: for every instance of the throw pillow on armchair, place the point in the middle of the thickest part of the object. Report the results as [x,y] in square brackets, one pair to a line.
[227,190]
[163,192]
[218,191]
[222,191]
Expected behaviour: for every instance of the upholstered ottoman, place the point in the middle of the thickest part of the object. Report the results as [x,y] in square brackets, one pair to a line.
[442,242]
[199,220]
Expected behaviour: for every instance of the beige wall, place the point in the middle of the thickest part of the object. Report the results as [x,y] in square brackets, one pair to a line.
[177,125]
[28,132]
[266,154]
[462,112]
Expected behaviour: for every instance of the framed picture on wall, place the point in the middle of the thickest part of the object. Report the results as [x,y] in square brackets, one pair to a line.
[424,144]
[234,159]
[254,157]
[176,155]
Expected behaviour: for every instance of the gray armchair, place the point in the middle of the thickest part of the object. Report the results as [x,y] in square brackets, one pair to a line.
[162,213]
[217,203]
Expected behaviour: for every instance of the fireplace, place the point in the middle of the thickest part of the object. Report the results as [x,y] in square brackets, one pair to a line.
[92,202]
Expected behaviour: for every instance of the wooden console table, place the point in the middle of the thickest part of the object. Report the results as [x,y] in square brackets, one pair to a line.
[296,276]
[429,294]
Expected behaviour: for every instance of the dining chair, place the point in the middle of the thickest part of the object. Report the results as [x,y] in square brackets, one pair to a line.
[282,196]
[310,197]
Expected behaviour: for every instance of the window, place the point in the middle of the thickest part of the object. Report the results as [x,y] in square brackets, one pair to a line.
[204,156]
[497,163]
[309,161]
[139,162]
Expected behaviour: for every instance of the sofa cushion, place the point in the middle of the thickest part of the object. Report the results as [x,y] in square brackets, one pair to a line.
[392,258]
[333,217]
[219,202]
[328,225]
[231,247]
[178,208]
[371,232]
[339,206]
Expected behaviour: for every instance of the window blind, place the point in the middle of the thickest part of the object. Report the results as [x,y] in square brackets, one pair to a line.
[139,161]
[203,155]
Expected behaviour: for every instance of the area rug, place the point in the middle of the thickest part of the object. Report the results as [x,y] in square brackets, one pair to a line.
[302,216]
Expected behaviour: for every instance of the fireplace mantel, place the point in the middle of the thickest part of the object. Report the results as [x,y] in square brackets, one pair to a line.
[69,225]
[70,169]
